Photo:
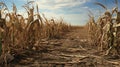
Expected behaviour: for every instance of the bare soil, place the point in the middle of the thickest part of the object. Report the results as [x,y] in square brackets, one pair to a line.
[72,50]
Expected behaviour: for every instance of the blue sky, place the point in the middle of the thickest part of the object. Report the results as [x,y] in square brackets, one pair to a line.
[74,12]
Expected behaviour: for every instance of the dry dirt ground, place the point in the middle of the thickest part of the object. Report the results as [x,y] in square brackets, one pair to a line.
[72,50]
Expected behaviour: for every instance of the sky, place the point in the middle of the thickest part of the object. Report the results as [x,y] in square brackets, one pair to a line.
[74,12]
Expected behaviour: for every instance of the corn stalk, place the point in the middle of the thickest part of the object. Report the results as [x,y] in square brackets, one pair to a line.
[106,39]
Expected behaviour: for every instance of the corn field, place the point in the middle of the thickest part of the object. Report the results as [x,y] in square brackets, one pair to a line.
[19,34]
[36,41]
[104,33]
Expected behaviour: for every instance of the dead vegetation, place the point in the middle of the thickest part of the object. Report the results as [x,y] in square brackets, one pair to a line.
[19,34]
[104,33]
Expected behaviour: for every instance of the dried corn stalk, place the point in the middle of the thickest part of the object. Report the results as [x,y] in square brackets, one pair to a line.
[106,31]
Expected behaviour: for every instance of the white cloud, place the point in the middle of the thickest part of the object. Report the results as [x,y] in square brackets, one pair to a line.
[85,7]
[56,4]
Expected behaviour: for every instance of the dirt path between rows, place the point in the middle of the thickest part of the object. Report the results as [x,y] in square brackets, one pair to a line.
[73,50]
